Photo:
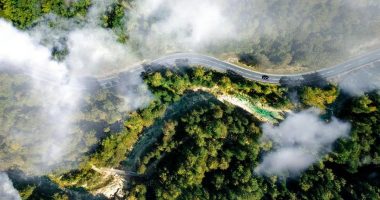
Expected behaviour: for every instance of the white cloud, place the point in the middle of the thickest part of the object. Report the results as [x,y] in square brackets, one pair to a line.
[286,161]
[7,191]
[95,51]
[300,140]
[196,21]
[361,81]
[180,25]
[56,92]
[18,50]
[56,86]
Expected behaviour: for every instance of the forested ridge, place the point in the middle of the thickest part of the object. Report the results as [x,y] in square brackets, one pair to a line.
[210,153]
[187,144]
[209,149]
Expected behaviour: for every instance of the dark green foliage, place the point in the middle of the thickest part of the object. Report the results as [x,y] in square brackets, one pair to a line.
[362,148]
[210,152]
[113,16]
[205,156]
[351,171]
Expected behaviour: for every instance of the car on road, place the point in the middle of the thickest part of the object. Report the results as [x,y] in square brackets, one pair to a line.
[264,77]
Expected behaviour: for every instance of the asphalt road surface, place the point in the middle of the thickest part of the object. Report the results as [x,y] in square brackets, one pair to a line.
[192,59]
[332,73]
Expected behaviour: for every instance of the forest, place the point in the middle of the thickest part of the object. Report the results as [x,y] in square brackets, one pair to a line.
[208,149]
[209,152]
[187,143]
[23,13]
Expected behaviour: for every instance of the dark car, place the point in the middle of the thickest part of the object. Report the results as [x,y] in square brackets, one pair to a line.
[265,77]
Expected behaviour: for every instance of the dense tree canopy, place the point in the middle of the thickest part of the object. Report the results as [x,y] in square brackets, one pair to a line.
[24,12]
[318,97]
[207,149]
[209,153]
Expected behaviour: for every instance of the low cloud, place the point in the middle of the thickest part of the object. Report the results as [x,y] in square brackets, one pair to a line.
[52,89]
[7,191]
[180,25]
[235,26]
[299,141]
[95,51]
[49,138]
[361,81]
[18,50]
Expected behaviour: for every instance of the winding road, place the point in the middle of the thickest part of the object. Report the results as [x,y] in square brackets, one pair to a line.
[332,73]
[329,73]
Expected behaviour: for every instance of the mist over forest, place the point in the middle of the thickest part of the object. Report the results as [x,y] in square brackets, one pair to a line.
[274,33]
[260,33]
[57,119]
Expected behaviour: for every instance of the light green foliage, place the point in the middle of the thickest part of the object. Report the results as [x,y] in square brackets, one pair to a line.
[23,126]
[170,85]
[137,193]
[111,152]
[318,97]
[113,149]
[24,12]
[27,192]
[364,105]
[60,197]
[115,18]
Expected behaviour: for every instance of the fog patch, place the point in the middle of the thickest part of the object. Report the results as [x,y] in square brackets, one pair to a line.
[179,25]
[50,141]
[135,92]
[52,89]
[363,80]
[95,51]
[7,191]
[298,142]
[157,27]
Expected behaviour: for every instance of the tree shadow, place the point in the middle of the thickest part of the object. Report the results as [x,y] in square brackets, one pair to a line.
[311,80]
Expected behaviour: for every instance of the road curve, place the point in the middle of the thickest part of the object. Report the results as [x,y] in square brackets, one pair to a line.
[193,59]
